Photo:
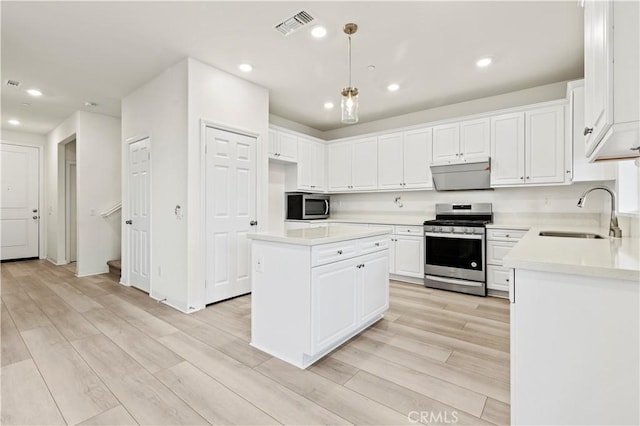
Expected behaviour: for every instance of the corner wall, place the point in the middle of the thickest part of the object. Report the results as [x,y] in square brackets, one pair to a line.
[98,174]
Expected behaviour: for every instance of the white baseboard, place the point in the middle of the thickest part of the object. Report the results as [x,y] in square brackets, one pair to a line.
[88,274]
[405,279]
[55,262]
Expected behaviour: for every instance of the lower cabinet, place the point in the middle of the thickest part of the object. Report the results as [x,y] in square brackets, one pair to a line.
[499,243]
[307,300]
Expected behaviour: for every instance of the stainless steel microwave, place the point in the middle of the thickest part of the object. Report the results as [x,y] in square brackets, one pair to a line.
[301,206]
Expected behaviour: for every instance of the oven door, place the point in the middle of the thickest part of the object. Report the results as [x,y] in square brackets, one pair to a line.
[455,255]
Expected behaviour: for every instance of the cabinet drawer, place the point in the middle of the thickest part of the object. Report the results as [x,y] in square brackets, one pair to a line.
[505,234]
[373,244]
[498,277]
[409,230]
[496,250]
[328,253]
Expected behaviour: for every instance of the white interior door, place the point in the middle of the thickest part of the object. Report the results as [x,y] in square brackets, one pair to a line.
[19,212]
[230,210]
[139,221]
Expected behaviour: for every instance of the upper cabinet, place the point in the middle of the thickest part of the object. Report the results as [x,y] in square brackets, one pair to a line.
[528,147]
[459,142]
[353,166]
[310,169]
[612,86]
[403,160]
[283,146]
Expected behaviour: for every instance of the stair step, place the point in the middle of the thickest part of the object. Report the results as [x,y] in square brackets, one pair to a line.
[115,268]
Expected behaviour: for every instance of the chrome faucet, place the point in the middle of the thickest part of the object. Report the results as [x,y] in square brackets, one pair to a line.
[614,229]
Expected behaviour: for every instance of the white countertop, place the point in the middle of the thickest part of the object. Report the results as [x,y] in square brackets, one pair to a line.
[608,258]
[317,235]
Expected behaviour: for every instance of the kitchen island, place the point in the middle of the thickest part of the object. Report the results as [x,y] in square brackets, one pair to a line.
[575,328]
[315,288]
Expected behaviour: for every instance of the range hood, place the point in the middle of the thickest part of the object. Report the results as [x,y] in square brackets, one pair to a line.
[474,174]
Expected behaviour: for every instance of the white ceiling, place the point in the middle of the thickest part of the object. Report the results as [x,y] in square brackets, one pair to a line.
[101,51]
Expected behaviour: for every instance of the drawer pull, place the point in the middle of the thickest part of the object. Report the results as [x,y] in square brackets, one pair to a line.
[377,244]
[507,235]
[507,280]
[339,251]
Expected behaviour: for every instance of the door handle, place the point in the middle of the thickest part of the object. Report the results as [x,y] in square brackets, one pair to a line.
[253,223]
[129,222]
[326,207]
[588,130]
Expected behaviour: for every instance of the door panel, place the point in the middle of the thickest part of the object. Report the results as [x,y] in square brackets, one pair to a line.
[474,139]
[364,164]
[446,143]
[409,256]
[544,145]
[390,167]
[507,149]
[339,167]
[417,158]
[19,199]
[375,286]
[230,207]
[139,214]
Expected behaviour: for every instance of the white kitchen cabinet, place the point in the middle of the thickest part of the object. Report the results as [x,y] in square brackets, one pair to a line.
[310,169]
[475,139]
[579,169]
[409,256]
[459,142]
[499,244]
[307,300]
[403,160]
[353,166]
[283,146]
[446,143]
[528,147]
[544,145]
[507,149]
[334,292]
[612,86]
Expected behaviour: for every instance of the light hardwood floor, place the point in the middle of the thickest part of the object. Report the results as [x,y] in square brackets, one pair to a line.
[91,351]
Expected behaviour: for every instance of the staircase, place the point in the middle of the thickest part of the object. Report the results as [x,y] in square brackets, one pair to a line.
[115,269]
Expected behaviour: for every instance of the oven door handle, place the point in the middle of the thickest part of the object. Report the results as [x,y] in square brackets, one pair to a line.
[455,281]
[461,236]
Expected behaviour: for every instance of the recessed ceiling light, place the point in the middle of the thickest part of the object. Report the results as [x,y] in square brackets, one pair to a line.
[34,92]
[245,67]
[90,104]
[328,105]
[484,62]
[393,87]
[25,104]
[319,31]
[371,67]
[14,122]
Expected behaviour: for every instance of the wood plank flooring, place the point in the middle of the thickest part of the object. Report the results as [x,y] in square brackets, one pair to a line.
[91,351]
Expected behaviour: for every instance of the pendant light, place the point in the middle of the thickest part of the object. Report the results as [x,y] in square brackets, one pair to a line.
[349,93]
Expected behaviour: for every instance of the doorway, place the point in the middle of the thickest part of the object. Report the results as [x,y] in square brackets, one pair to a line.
[139,222]
[71,213]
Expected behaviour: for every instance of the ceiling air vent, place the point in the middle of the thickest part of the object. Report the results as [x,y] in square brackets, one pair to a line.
[296,21]
[13,83]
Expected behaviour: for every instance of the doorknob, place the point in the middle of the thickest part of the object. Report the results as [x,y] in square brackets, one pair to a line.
[129,222]
[253,223]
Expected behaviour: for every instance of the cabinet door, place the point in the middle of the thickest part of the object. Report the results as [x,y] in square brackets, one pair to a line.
[364,164]
[305,164]
[273,142]
[417,158]
[317,169]
[498,277]
[409,256]
[392,254]
[544,145]
[339,155]
[446,143]
[507,149]
[334,302]
[374,285]
[390,165]
[474,139]
[598,71]
[287,147]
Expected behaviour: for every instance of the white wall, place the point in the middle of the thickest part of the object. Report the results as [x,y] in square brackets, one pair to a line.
[277,174]
[232,103]
[514,205]
[170,110]
[98,174]
[158,110]
[40,142]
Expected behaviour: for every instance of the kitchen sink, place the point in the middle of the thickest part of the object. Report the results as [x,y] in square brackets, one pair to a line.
[570,234]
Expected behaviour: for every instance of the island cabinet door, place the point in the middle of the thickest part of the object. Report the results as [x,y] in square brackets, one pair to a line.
[374,285]
[334,303]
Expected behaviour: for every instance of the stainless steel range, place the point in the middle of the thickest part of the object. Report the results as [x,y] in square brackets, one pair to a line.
[455,248]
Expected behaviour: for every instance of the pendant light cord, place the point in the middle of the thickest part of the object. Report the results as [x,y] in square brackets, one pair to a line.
[349,50]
